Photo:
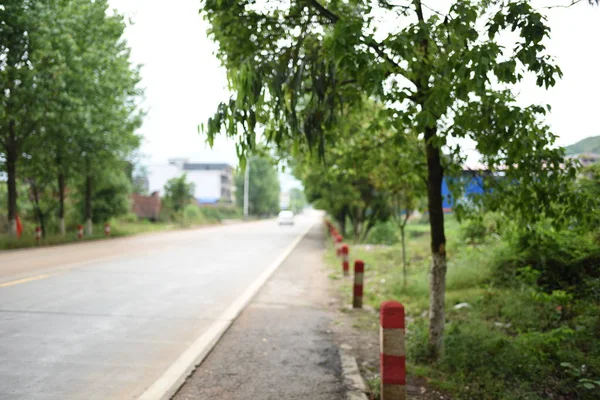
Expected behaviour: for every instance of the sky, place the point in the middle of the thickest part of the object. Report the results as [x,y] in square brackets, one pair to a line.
[184,81]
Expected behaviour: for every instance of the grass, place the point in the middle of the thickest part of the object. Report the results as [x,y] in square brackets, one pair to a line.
[512,342]
[119,228]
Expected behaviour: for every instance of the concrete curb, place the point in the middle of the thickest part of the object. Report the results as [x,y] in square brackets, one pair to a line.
[167,385]
[356,389]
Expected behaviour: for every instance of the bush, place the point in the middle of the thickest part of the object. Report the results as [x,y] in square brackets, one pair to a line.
[219,213]
[193,215]
[130,217]
[478,228]
[383,233]
[566,260]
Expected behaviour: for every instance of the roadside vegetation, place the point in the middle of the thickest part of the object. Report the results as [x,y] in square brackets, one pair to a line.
[522,318]
[373,117]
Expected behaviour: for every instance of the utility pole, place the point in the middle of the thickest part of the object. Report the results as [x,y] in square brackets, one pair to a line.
[246,184]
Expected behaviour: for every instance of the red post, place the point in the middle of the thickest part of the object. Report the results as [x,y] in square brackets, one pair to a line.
[357,295]
[79,231]
[345,257]
[107,229]
[338,245]
[393,356]
[38,234]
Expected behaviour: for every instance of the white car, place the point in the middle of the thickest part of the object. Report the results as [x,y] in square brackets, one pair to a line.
[285,217]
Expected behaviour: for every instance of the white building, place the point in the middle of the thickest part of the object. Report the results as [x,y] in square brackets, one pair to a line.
[212,181]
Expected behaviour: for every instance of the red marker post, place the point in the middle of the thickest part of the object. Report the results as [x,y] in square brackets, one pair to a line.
[38,234]
[357,294]
[107,229]
[393,356]
[79,231]
[338,245]
[345,250]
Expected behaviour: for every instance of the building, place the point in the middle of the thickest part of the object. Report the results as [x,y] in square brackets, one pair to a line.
[213,182]
[586,159]
[146,207]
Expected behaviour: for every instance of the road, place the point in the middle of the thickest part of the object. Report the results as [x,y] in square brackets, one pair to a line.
[104,320]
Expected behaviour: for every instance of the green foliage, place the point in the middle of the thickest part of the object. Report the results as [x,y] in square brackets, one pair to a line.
[383,233]
[178,193]
[193,215]
[111,197]
[302,70]
[516,340]
[297,200]
[220,213]
[263,195]
[73,110]
[478,228]
[565,259]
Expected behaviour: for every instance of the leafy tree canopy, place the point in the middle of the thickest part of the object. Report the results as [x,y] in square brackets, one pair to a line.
[178,193]
[263,193]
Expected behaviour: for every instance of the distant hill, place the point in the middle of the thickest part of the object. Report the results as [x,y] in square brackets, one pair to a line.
[587,145]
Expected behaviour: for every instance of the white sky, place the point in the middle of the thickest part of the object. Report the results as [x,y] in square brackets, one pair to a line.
[184,81]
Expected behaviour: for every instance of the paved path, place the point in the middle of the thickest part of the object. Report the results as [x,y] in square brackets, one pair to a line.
[104,320]
[281,346]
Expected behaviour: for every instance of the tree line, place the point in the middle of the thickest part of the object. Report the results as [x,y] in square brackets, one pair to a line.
[69,107]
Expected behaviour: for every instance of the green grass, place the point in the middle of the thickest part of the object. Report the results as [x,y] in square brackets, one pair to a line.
[513,342]
[119,228]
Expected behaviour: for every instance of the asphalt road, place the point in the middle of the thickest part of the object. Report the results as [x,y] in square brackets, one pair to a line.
[104,320]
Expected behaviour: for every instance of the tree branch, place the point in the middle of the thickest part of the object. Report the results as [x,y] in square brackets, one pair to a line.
[324,11]
[573,2]
[332,17]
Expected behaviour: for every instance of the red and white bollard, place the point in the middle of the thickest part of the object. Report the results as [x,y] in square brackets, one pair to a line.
[357,294]
[345,259]
[393,356]
[107,229]
[338,245]
[79,231]
[38,234]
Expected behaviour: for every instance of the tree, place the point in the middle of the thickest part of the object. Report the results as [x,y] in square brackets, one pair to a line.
[69,89]
[295,67]
[400,173]
[178,193]
[112,114]
[297,200]
[263,191]
[111,196]
[23,45]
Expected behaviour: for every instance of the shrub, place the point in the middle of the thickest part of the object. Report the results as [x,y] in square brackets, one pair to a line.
[383,233]
[130,217]
[193,215]
[566,260]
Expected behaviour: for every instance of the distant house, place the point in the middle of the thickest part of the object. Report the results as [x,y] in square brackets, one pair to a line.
[586,159]
[472,180]
[146,207]
[213,182]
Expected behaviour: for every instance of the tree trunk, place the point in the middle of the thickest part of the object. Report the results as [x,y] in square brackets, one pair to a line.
[88,206]
[61,203]
[38,209]
[403,236]
[11,171]
[341,219]
[437,284]
[356,229]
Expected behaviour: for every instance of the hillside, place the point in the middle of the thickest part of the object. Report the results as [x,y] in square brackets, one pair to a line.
[587,145]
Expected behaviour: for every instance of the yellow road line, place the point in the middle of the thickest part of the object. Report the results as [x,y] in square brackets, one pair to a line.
[25,280]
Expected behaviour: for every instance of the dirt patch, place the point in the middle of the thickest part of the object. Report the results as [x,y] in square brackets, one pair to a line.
[357,333]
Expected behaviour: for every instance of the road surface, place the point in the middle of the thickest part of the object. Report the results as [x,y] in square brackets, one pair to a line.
[104,320]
